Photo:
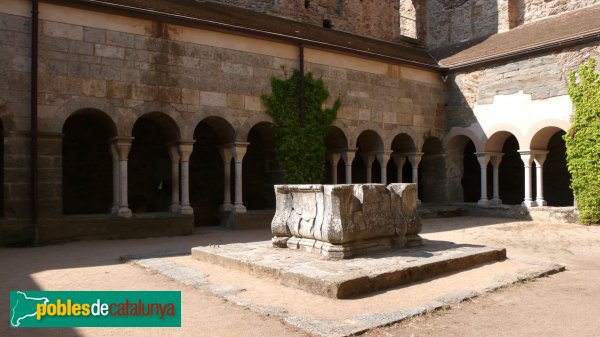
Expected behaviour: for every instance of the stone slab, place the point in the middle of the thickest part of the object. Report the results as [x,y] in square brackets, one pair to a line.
[348,278]
[195,274]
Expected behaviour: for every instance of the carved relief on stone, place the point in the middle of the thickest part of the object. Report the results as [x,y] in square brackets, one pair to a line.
[342,221]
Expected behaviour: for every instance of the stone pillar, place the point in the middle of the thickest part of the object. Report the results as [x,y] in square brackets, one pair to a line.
[368,158]
[239,151]
[185,150]
[175,158]
[334,159]
[496,159]
[114,209]
[383,158]
[415,159]
[122,145]
[399,160]
[348,157]
[527,159]
[455,170]
[540,158]
[226,154]
[483,158]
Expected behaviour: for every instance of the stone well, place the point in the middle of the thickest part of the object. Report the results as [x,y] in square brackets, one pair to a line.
[343,221]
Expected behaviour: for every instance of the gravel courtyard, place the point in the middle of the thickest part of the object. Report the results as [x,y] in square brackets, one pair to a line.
[564,304]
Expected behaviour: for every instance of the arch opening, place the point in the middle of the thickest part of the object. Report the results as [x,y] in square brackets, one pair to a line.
[511,176]
[432,172]
[368,143]
[207,177]
[149,163]
[87,163]
[335,143]
[261,170]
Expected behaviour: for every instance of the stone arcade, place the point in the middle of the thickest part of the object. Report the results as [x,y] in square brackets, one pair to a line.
[149,119]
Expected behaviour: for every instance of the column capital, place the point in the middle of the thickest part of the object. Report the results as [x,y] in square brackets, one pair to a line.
[539,156]
[483,158]
[526,157]
[173,152]
[334,157]
[369,158]
[185,148]
[414,158]
[384,156]
[496,159]
[399,158]
[226,153]
[122,146]
[238,150]
[348,155]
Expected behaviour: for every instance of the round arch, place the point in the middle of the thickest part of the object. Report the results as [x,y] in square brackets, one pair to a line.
[87,162]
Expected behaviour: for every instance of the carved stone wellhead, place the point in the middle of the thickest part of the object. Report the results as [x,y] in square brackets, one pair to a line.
[343,221]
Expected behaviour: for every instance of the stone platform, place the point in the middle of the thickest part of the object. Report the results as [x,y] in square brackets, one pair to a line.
[349,278]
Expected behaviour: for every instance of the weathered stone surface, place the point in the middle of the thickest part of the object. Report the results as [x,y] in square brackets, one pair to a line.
[342,221]
[352,277]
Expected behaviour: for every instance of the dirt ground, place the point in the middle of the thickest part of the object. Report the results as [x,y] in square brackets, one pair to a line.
[565,304]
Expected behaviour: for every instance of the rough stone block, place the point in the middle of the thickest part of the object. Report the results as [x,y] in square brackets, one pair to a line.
[213,98]
[190,96]
[343,221]
[253,103]
[56,29]
[104,50]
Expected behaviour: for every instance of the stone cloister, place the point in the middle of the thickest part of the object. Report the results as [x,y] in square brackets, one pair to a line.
[155,170]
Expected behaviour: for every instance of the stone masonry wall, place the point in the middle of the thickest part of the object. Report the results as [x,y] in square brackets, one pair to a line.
[531,10]
[541,76]
[453,21]
[126,75]
[373,18]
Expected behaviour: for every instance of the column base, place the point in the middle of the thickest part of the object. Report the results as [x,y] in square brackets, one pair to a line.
[124,212]
[483,202]
[114,209]
[529,203]
[239,208]
[541,202]
[186,209]
[496,201]
[174,208]
[226,208]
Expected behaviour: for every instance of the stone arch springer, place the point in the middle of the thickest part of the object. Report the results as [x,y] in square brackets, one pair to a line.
[72,106]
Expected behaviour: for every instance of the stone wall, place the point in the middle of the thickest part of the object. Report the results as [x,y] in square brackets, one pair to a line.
[527,11]
[453,21]
[373,18]
[126,67]
[542,77]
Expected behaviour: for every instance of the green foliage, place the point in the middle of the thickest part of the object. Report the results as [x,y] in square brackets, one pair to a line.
[300,148]
[583,142]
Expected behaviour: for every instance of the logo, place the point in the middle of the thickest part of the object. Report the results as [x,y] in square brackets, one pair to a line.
[31,309]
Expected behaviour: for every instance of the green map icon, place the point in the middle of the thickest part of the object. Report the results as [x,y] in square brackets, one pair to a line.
[23,307]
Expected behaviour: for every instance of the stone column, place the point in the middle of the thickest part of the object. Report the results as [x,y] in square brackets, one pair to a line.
[483,158]
[334,159]
[414,159]
[368,158]
[239,151]
[496,159]
[226,154]
[540,158]
[399,160]
[527,159]
[383,158]
[114,209]
[348,157]
[185,150]
[175,158]
[122,145]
